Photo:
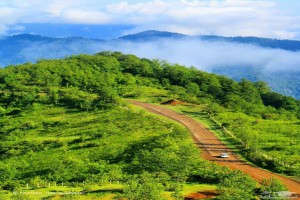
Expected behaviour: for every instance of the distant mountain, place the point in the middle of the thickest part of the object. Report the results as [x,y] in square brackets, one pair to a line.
[290,45]
[287,83]
[153,35]
[24,48]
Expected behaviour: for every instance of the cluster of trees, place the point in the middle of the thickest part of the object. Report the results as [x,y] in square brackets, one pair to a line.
[95,81]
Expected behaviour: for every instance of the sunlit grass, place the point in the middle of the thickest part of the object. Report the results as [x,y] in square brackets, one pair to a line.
[79,191]
[197,187]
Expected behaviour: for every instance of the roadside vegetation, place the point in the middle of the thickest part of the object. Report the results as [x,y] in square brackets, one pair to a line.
[65,126]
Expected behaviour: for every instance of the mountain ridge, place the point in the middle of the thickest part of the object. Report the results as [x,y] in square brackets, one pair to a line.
[291,45]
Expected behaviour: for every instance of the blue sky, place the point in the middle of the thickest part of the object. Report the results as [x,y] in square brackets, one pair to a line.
[110,19]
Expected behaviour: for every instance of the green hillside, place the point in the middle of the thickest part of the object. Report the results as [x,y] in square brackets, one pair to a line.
[65,122]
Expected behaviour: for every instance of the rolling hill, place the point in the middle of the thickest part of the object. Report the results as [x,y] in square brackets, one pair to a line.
[273,61]
[65,122]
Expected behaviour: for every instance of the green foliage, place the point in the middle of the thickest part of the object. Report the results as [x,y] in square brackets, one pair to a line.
[236,186]
[167,154]
[143,187]
[77,98]
[10,185]
[177,195]
[6,172]
[265,140]
[262,87]
[272,185]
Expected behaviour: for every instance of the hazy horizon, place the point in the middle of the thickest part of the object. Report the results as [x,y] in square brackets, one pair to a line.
[105,19]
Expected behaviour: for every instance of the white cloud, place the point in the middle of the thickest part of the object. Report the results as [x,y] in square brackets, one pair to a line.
[7,14]
[207,55]
[262,18]
[78,16]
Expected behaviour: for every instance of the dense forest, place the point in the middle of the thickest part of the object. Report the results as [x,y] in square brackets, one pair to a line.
[67,121]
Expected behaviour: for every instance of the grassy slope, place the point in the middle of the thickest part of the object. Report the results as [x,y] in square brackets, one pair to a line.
[46,134]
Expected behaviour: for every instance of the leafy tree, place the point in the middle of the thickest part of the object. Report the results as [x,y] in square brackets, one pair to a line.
[289,103]
[176,91]
[7,172]
[234,102]
[143,187]
[262,87]
[192,88]
[177,74]
[177,195]
[272,185]
[235,186]
[272,99]
[249,92]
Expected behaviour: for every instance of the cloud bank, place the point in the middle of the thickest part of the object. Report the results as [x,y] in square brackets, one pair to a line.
[207,55]
[262,18]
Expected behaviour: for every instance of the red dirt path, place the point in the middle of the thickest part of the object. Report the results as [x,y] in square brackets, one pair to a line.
[201,195]
[212,147]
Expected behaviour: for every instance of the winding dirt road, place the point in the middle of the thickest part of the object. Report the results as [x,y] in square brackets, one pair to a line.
[212,147]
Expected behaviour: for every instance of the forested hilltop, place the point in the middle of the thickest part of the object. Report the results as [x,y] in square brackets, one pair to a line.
[66,121]
[99,81]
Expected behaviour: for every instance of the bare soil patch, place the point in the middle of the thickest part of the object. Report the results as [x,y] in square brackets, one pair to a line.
[173,102]
[201,195]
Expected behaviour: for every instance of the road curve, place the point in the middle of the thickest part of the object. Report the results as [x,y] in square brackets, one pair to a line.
[212,147]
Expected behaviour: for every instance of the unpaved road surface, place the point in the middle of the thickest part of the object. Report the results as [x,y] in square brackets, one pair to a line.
[212,147]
